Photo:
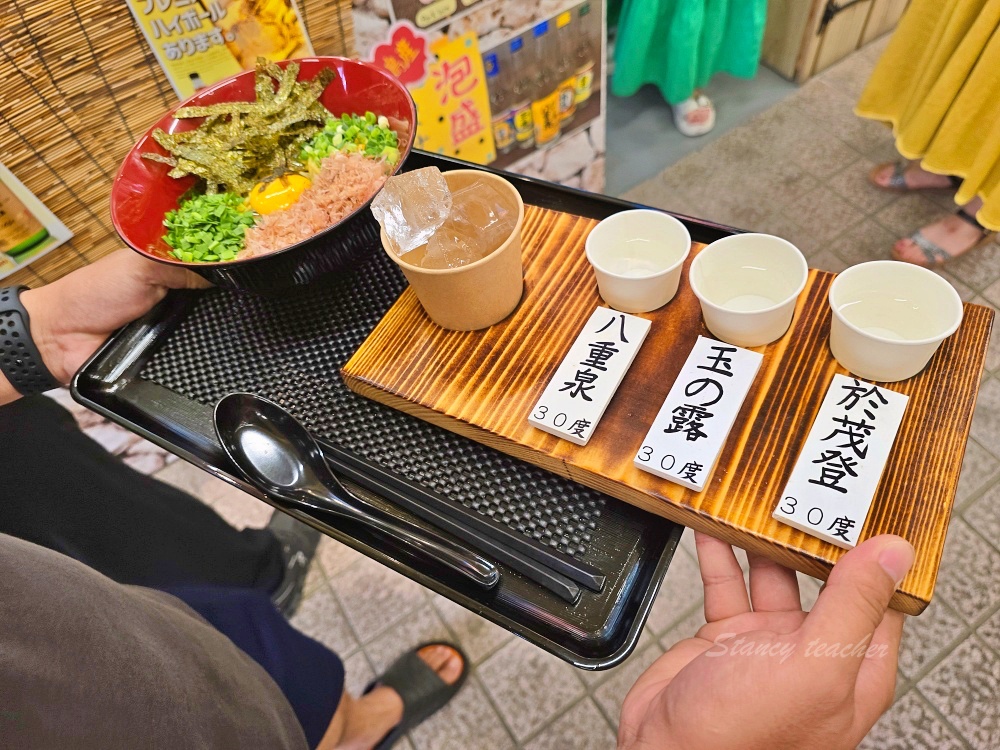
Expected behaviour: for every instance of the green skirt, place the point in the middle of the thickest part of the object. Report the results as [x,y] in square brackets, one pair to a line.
[680,44]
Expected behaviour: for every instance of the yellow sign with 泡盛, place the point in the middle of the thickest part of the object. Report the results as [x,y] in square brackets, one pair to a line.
[199,42]
[453,103]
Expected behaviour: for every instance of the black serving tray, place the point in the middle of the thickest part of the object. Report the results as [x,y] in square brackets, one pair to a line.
[161,376]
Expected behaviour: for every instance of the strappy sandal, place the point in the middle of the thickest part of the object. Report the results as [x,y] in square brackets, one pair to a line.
[422,691]
[897,180]
[682,109]
[935,255]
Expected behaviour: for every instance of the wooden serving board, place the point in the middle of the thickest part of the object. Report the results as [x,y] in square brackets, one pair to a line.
[483,384]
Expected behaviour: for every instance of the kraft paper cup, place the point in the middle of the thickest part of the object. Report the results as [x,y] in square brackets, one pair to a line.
[479,294]
[637,258]
[889,318]
[747,285]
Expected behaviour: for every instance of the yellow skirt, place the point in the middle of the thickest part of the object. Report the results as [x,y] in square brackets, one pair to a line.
[938,83]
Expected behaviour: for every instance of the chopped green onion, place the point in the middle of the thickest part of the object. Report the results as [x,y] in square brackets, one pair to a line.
[207,228]
[350,133]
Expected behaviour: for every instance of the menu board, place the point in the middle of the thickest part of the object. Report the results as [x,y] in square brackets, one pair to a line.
[199,42]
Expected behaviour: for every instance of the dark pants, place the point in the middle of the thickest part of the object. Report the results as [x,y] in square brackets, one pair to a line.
[308,673]
[61,490]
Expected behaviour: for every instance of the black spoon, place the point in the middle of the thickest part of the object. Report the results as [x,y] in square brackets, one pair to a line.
[279,455]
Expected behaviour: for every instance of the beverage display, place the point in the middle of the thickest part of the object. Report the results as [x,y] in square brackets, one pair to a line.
[565,71]
[502,116]
[520,106]
[545,91]
[585,58]
[541,83]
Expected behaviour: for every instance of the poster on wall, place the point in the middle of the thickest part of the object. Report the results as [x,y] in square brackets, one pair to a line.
[543,65]
[447,81]
[199,42]
[28,230]
[499,104]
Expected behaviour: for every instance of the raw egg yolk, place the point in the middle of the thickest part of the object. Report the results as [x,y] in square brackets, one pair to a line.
[279,194]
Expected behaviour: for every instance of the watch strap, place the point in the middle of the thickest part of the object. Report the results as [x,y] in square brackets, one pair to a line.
[20,359]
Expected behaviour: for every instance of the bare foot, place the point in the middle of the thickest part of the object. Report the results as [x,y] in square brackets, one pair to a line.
[915,177]
[366,720]
[953,235]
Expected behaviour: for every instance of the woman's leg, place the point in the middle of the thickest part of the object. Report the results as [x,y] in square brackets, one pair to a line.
[915,177]
[952,234]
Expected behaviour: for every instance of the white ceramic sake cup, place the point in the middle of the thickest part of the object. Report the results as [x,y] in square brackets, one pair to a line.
[747,285]
[637,257]
[889,318]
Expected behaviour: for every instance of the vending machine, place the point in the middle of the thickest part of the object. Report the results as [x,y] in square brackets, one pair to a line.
[514,85]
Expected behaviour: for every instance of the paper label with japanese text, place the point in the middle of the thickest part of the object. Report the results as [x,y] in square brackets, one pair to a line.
[200,42]
[831,489]
[585,381]
[688,434]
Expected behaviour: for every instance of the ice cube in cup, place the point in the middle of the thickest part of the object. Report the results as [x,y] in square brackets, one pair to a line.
[412,206]
[483,292]
[453,245]
[479,223]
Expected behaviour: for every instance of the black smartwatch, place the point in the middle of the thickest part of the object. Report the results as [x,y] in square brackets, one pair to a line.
[20,359]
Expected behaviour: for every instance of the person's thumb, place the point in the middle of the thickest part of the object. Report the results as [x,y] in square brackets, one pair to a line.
[856,597]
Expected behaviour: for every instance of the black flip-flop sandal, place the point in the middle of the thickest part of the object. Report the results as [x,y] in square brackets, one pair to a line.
[422,691]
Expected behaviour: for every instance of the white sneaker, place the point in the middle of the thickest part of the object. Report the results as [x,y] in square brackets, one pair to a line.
[703,121]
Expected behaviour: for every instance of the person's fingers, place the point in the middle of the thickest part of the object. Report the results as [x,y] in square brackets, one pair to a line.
[725,590]
[876,683]
[854,601]
[773,587]
[194,281]
[155,274]
[175,277]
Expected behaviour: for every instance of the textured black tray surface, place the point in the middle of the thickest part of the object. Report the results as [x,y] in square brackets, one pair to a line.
[291,349]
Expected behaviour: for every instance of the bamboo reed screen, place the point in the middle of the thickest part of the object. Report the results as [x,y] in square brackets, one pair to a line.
[79,86]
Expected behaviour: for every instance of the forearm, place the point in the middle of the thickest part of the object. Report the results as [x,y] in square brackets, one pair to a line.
[72,317]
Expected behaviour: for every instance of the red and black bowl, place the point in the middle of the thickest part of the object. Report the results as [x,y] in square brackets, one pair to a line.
[143,192]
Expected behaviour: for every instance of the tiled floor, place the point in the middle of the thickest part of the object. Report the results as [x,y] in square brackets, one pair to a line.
[797,170]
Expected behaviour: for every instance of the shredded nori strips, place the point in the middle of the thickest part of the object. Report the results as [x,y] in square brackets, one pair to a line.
[242,143]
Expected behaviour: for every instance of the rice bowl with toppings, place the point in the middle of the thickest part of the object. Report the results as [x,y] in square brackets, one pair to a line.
[144,191]
[272,171]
